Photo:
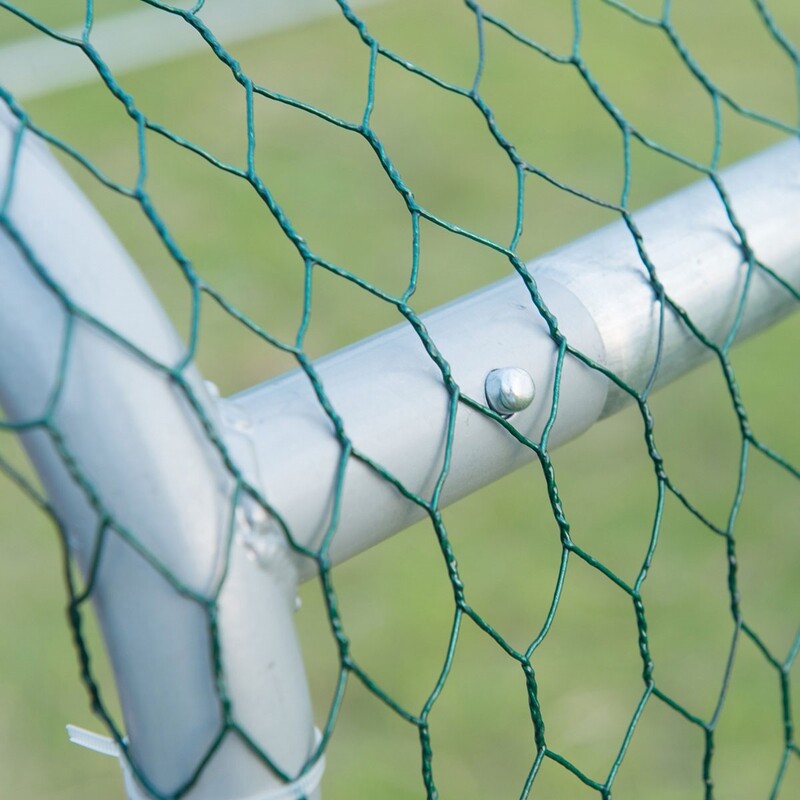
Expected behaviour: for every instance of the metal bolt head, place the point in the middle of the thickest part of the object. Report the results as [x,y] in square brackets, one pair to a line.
[509,390]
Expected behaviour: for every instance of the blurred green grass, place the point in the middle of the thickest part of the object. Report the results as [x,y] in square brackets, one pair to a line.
[396,601]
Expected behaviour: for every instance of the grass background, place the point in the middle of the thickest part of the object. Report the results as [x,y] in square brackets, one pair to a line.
[396,601]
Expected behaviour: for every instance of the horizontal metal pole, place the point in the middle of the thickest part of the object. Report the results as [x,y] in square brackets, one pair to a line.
[699,259]
[393,402]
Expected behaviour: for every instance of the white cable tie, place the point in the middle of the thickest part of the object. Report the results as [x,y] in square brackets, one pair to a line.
[107,747]
[93,741]
[304,786]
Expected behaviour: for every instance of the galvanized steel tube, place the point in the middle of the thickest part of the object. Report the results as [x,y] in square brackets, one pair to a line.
[137,442]
[392,399]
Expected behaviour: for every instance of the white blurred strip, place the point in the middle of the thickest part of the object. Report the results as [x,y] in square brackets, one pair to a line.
[40,65]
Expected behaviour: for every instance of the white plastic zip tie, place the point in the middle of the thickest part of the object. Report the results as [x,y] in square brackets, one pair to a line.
[304,786]
[107,747]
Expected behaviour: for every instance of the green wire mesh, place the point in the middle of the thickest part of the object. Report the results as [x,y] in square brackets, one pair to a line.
[526,168]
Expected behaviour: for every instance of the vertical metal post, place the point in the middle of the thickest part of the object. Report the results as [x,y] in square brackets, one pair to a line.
[151,468]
